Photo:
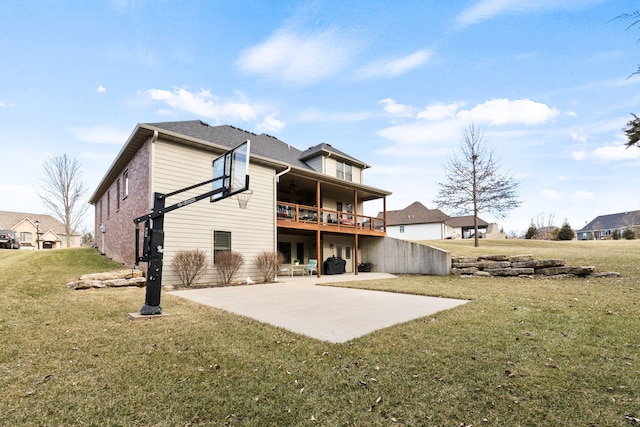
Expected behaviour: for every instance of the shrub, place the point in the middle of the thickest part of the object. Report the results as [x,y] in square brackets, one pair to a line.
[268,264]
[628,234]
[615,235]
[228,264]
[189,265]
[531,233]
[565,232]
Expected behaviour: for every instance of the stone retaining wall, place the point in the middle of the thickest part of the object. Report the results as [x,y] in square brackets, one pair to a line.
[519,265]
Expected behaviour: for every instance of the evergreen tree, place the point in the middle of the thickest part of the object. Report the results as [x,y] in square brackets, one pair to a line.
[566,232]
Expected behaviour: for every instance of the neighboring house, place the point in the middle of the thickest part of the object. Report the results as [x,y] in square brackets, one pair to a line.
[417,222]
[603,226]
[48,234]
[306,204]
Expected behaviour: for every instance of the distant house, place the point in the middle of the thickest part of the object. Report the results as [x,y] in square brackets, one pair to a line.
[417,222]
[603,226]
[38,231]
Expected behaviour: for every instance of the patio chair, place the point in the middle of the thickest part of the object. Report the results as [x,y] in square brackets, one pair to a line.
[312,267]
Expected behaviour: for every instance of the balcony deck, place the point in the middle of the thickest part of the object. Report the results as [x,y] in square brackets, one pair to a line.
[301,217]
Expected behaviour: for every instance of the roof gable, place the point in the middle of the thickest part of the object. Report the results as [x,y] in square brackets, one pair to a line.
[325,149]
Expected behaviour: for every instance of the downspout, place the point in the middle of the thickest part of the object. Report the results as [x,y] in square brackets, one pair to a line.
[276,179]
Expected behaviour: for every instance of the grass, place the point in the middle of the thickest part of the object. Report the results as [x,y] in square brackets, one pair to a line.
[523,352]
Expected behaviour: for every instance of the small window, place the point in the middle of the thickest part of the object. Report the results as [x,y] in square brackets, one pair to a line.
[402,228]
[25,236]
[108,203]
[221,243]
[125,189]
[118,194]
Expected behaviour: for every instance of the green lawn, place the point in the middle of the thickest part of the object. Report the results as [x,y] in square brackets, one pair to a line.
[523,352]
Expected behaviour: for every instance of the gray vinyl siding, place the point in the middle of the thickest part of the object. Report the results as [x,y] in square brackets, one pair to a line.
[191,227]
[315,164]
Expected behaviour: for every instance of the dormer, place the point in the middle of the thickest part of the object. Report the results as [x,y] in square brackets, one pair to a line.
[325,159]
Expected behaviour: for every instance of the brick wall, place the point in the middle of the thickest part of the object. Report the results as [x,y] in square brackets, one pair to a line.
[119,236]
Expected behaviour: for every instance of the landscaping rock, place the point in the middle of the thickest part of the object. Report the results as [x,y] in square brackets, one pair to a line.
[491,265]
[552,271]
[521,265]
[521,258]
[111,279]
[464,271]
[475,264]
[494,257]
[583,270]
[524,264]
[549,263]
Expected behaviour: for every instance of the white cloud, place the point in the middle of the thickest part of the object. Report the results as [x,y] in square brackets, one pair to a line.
[437,112]
[395,67]
[101,89]
[618,152]
[271,124]
[549,194]
[299,58]
[203,104]
[584,195]
[2,104]
[487,9]
[607,154]
[392,108]
[99,134]
[504,111]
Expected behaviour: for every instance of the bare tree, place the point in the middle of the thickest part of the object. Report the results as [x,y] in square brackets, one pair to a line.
[474,183]
[62,190]
[544,225]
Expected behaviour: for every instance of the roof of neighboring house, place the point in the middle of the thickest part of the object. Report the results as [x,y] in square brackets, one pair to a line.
[327,149]
[613,221]
[415,213]
[265,148]
[9,220]
[465,221]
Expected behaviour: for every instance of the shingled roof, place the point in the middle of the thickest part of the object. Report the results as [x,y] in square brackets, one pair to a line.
[262,145]
[415,213]
[613,221]
[8,220]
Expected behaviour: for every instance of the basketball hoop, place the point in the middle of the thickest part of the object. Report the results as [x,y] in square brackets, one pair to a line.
[243,198]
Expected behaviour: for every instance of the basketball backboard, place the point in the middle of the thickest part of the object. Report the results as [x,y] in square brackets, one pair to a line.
[231,172]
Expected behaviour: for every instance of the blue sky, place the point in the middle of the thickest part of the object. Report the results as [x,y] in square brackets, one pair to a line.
[391,83]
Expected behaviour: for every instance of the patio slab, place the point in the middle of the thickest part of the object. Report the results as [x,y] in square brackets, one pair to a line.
[325,313]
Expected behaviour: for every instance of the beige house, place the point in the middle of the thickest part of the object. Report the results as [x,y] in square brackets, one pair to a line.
[307,204]
[38,231]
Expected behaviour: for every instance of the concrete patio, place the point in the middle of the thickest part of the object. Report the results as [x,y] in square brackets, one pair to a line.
[325,313]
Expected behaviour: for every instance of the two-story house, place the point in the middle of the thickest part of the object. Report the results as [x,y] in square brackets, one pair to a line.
[306,204]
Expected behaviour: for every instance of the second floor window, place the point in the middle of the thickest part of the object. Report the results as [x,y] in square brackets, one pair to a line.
[118,194]
[125,189]
[343,171]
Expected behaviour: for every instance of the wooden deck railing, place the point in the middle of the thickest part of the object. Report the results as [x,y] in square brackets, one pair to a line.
[327,217]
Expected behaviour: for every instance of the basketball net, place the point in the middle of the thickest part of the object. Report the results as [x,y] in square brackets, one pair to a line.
[243,198]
